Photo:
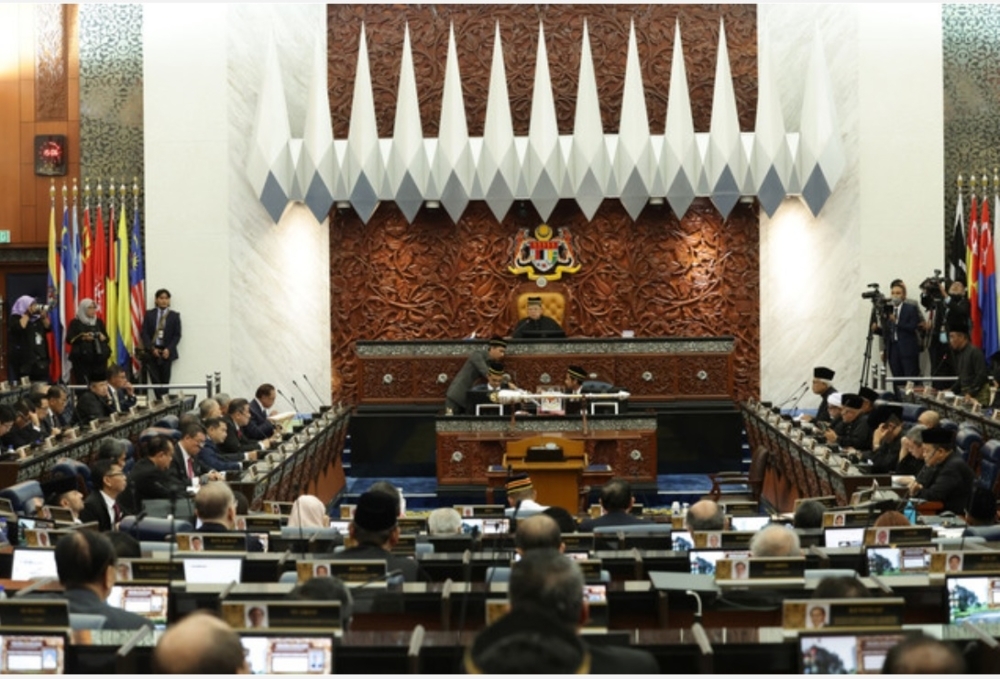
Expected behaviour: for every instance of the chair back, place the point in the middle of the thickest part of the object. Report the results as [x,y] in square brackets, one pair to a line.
[969,441]
[989,464]
[555,301]
[20,493]
[75,469]
[154,529]
[86,621]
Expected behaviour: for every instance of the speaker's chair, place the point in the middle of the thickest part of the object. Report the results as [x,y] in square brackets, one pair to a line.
[555,302]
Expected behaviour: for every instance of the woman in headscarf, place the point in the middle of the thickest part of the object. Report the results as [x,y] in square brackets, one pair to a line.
[88,342]
[29,349]
[308,512]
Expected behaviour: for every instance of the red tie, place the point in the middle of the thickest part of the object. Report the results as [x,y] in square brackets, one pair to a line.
[190,468]
[118,514]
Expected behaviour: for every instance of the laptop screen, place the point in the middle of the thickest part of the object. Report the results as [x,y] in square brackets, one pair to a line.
[288,655]
[486,526]
[899,560]
[974,597]
[846,653]
[29,564]
[844,537]
[149,601]
[703,560]
[746,523]
[213,571]
[681,541]
[32,653]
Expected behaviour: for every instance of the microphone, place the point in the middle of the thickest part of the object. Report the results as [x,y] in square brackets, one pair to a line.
[304,395]
[795,406]
[466,582]
[290,400]
[134,530]
[379,578]
[315,393]
[802,387]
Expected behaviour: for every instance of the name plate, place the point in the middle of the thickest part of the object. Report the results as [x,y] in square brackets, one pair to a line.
[263,523]
[34,613]
[150,570]
[354,571]
[956,562]
[578,542]
[282,614]
[412,524]
[591,569]
[481,511]
[901,535]
[39,538]
[847,519]
[799,614]
[280,508]
[722,539]
[211,542]
[760,568]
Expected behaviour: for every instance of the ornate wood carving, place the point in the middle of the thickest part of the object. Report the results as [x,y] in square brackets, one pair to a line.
[434,279]
[51,71]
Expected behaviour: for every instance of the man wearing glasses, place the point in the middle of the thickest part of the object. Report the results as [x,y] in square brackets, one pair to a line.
[102,506]
[186,466]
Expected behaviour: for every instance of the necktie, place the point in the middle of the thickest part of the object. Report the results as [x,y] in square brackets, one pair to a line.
[118,514]
[190,468]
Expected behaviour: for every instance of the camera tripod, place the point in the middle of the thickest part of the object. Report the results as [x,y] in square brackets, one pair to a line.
[873,318]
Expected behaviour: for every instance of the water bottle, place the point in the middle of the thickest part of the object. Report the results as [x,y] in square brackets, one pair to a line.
[684,509]
[675,508]
[910,512]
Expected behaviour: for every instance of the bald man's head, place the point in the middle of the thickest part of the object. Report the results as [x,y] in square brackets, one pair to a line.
[216,503]
[929,418]
[705,515]
[538,532]
[199,644]
[775,540]
[921,654]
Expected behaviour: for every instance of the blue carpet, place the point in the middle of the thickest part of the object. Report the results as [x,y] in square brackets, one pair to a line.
[422,492]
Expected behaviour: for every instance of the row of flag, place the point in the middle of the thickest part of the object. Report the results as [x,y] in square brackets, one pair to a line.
[974,261]
[89,259]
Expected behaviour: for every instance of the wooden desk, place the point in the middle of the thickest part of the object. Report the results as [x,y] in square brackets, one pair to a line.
[468,447]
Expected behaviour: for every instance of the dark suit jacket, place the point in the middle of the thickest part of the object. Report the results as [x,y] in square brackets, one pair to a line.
[90,407]
[235,441]
[621,660]
[179,469]
[904,340]
[171,331]
[124,400]
[259,427]
[610,519]
[94,509]
[211,457]
[85,601]
[148,482]
[949,482]
[253,544]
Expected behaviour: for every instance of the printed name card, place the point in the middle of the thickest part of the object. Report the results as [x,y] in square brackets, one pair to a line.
[956,562]
[34,613]
[286,615]
[822,613]
[211,542]
[412,524]
[352,571]
[260,522]
[150,570]
[760,568]
[899,535]
[722,539]
[847,519]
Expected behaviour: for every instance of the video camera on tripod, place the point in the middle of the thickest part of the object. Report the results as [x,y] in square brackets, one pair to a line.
[881,303]
[932,290]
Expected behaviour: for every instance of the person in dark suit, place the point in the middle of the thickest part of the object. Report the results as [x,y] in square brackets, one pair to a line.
[899,330]
[29,351]
[946,477]
[575,377]
[476,367]
[186,464]
[85,562]
[215,505]
[236,441]
[259,427]
[24,432]
[161,333]
[121,393]
[94,403]
[375,527]
[617,501]
[535,324]
[150,478]
[60,412]
[102,503]
[210,454]
[545,595]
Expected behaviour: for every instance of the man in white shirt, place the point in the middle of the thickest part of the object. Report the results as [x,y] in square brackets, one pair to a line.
[102,505]
[521,497]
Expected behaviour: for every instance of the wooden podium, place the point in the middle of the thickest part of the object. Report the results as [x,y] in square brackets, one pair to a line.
[556,483]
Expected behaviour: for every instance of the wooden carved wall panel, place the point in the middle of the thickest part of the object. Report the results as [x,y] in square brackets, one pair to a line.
[51,67]
[428,371]
[389,379]
[618,454]
[705,375]
[631,373]
[435,279]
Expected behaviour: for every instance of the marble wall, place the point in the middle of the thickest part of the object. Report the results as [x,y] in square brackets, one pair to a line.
[882,219]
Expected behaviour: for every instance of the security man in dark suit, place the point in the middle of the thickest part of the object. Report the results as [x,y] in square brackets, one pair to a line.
[161,333]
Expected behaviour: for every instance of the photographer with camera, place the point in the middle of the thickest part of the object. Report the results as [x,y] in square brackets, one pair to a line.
[945,309]
[899,320]
[29,350]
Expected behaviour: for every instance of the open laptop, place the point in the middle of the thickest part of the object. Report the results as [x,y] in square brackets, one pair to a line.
[845,652]
[288,653]
[32,653]
[149,601]
[211,571]
[31,564]
[973,597]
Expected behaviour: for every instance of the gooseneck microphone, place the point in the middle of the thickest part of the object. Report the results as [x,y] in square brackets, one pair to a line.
[290,400]
[315,393]
[304,395]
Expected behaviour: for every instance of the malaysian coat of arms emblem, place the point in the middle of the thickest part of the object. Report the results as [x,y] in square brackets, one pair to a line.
[546,255]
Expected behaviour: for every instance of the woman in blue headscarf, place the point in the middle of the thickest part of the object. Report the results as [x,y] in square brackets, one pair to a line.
[29,349]
[88,342]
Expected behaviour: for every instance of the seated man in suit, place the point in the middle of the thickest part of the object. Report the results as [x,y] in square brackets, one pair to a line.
[536,325]
[215,505]
[85,561]
[7,417]
[375,528]
[102,503]
[483,394]
[60,414]
[259,427]
[95,402]
[121,393]
[546,604]
[521,497]
[209,409]
[151,478]
[210,454]
[187,465]
[946,477]
[617,501]
[236,439]
[23,432]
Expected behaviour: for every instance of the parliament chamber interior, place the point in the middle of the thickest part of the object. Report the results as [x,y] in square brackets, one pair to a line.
[516,339]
